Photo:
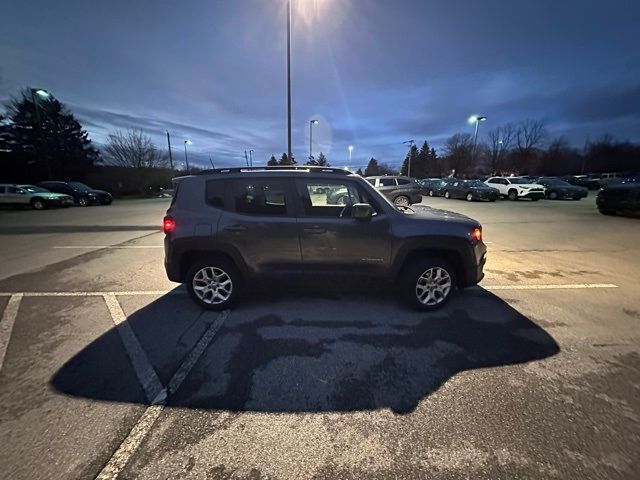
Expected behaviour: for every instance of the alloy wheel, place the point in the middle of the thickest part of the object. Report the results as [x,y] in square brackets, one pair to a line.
[401,201]
[212,285]
[433,286]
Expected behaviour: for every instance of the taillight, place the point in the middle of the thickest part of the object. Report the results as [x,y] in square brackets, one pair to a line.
[168,224]
[477,234]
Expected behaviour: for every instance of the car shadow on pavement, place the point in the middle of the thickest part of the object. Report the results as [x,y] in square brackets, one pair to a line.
[313,354]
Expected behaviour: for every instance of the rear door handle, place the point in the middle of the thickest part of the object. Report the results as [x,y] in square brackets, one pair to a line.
[235,228]
[314,230]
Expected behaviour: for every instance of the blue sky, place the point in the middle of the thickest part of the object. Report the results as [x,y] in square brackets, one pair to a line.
[374,72]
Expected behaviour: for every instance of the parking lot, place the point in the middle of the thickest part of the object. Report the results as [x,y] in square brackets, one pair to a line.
[109,370]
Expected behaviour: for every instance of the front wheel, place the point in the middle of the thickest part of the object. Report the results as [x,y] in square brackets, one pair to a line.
[213,284]
[469,197]
[513,195]
[38,204]
[431,193]
[447,195]
[428,284]
[553,196]
[83,202]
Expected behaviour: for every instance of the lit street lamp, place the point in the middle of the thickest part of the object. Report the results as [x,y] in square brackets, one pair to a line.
[311,124]
[186,158]
[351,147]
[289,80]
[475,119]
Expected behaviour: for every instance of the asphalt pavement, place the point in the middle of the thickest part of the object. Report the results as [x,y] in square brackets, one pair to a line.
[108,370]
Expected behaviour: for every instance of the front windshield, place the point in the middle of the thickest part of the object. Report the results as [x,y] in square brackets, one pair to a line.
[79,186]
[519,180]
[34,189]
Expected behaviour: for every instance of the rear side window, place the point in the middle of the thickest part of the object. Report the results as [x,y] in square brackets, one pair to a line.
[215,193]
[403,181]
[387,182]
[259,197]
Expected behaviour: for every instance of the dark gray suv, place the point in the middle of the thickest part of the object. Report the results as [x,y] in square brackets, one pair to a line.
[227,228]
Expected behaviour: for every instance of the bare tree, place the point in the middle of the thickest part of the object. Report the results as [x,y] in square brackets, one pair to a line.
[500,141]
[529,135]
[458,148]
[133,149]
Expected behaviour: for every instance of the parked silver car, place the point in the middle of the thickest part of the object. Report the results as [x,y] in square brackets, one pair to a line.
[30,195]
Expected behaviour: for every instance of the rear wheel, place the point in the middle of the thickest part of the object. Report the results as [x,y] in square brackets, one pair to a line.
[83,202]
[38,204]
[447,195]
[401,201]
[469,197]
[213,283]
[428,284]
[553,196]
[513,195]
[431,193]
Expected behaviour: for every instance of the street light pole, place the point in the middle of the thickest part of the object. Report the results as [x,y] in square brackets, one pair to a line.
[289,81]
[170,155]
[42,93]
[251,158]
[477,119]
[311,124]
[350,152]
[186,158]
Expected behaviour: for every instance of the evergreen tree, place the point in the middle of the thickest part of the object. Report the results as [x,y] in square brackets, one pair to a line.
[359,172]
[433,168]
[372,169]
[284,160]
[272,161]
[322,161]
[46,143]
[412,155]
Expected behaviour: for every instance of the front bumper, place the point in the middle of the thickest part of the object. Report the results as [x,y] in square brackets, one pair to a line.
[486,195]
[535,194]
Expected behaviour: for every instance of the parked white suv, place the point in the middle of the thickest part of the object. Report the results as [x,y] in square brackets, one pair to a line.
[516,187]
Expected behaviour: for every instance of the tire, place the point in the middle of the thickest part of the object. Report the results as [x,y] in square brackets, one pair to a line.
[447,195]
[402,201]
[83,202]
[226,271]
[417,290]
[513,195]
[553,196]
[469,197]
[38,204]
[431,193]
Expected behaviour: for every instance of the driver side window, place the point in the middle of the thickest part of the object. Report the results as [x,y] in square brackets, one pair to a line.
[329,198]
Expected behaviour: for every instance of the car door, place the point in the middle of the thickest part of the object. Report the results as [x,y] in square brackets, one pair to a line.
[17,196]
[500,184]
[332,242]
[259,222]
[455,189]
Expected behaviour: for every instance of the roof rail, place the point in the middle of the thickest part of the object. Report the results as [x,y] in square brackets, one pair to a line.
[279,168]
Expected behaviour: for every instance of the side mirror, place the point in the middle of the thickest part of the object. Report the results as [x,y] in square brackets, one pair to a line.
[362,211]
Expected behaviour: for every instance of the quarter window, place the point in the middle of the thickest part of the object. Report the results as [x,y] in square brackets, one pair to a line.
[259,197]
[387,182]
[215,193]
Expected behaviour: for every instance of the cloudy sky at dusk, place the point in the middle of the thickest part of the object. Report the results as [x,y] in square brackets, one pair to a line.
[374,72]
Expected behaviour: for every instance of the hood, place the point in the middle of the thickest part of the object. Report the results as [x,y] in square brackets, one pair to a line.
[53,195]
[96,192]
[528,185]
[429,213]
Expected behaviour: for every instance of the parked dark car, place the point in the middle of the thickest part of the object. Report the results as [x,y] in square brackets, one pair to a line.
[470,190]
[620,199]
[426,184]
[82,194]
[556,189]
[437,188]
[226,229]
[590,182]
[402,191]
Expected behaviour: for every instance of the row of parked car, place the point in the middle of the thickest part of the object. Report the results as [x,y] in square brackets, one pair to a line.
[52,194]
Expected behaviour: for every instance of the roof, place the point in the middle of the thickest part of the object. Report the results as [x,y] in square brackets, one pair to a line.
[279,169]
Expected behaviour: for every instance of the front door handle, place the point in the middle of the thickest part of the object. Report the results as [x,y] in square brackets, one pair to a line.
[314,230]
[235,228]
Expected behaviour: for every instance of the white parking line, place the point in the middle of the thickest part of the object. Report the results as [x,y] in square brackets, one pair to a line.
[147,376]
[6,324]
[577,286]
[99,247]
[142,427]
